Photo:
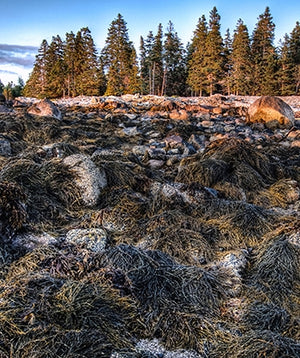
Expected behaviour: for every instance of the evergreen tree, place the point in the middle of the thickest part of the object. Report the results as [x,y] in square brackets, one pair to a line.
[144,67]
[295,56]
[227,62]
[174,77]
[264,55]
[118,57]
[214,53]
[70,58]
[134,85]
[241,60]
[149,61]
[156,60]
[55,68]
[36,84]
[196,54]
[88,77]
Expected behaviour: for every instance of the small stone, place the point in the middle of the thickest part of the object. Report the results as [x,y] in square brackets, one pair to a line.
[139,150]
[197,140]
[179,115]
[157,153]
[295,144]
[207,124]
[217,110]
[173,141]
[94,239]
[30,241]
[156,164]
[5,147]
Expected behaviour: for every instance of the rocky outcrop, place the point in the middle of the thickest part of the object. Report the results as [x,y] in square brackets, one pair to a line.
[45,108]
[272,111]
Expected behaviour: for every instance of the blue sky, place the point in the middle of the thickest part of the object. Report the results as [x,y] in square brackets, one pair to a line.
[24,24]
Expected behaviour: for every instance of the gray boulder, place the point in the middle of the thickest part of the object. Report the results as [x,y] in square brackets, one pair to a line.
[89,178]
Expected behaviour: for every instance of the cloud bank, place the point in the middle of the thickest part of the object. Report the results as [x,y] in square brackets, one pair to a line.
[17,55]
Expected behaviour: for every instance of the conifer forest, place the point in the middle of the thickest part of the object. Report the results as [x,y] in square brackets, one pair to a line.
[238,63]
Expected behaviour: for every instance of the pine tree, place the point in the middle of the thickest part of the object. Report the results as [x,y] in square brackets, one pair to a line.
[55,68]
[196,54]
[174,77]
[36,84]
[295,55]
[118,57]
[264,55]
[241,60]
[214,53]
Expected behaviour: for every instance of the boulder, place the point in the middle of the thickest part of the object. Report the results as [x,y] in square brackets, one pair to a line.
[271,111]
[45,108]
[89,178]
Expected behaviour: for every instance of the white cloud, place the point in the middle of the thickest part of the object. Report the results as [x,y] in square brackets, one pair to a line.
[16,61]
[11,72]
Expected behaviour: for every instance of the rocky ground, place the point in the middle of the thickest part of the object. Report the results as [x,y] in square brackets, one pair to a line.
[143,226]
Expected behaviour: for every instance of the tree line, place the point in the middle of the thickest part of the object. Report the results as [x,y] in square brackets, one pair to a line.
[240,64]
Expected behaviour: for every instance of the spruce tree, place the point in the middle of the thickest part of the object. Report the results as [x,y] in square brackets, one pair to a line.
[227,82]
[174,78]
[118,58]
[264,55]
[134,85]
[144,67]
[88,76]
[241,60]
[70,57]
[36,84]
[156,59]
[55,68]
[214,53]
[295,55]
[196,54]
[149,61]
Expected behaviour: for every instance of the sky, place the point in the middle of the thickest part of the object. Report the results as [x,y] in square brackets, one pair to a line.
[25,23]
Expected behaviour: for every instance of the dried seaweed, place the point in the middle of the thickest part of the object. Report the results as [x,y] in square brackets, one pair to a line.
[276,269]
